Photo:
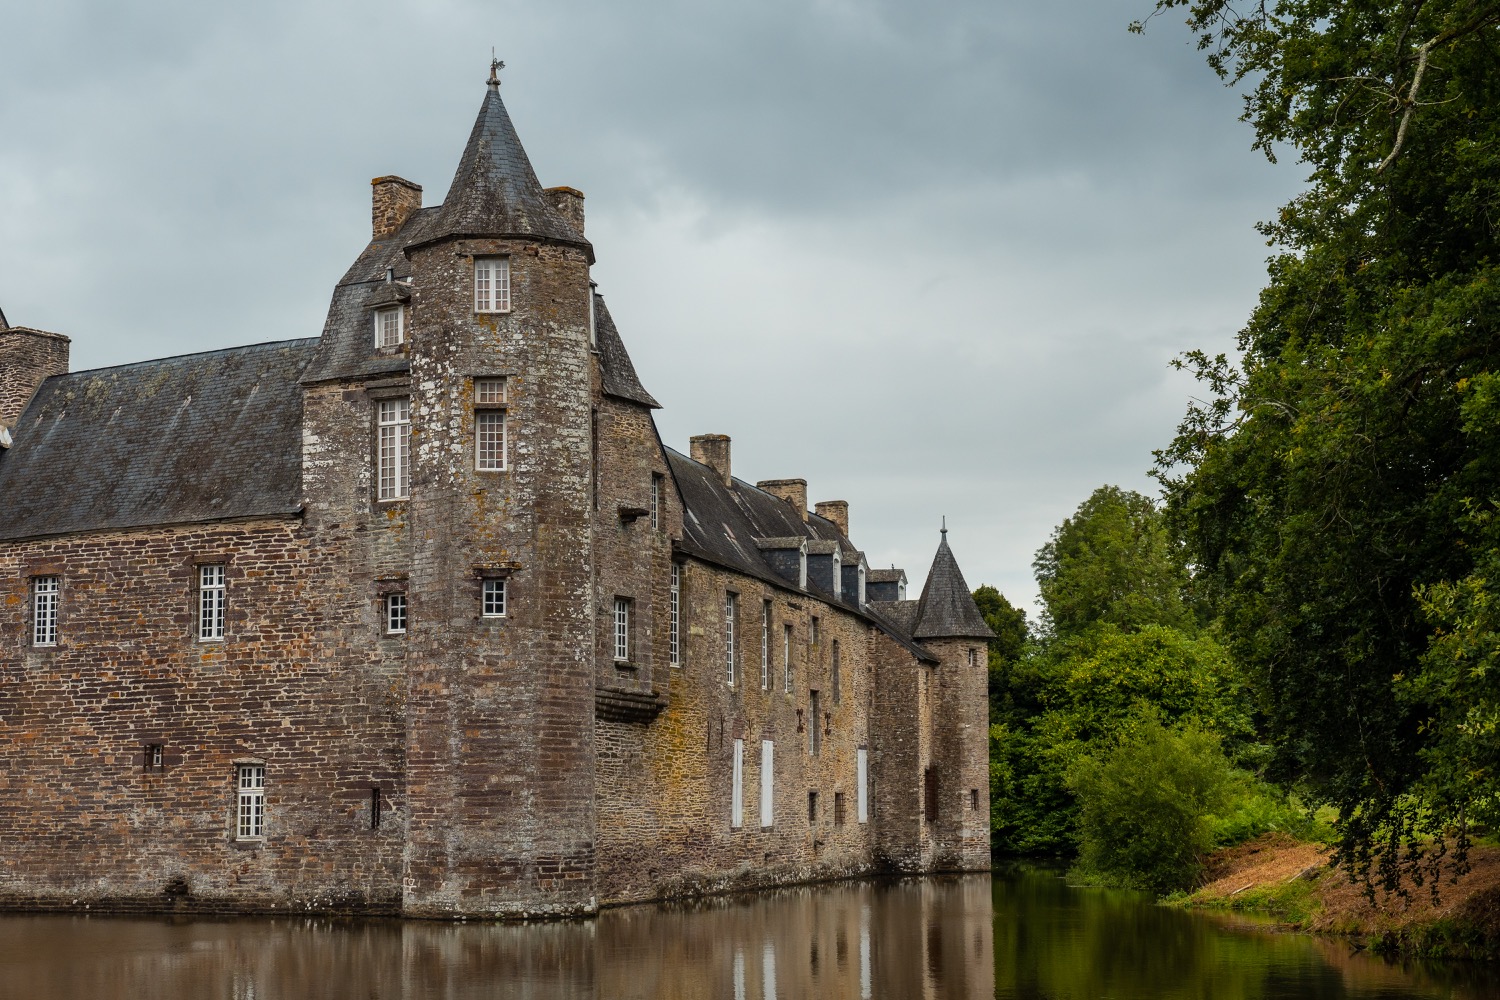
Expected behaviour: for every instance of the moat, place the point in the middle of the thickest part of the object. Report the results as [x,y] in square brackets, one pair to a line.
[1021,934]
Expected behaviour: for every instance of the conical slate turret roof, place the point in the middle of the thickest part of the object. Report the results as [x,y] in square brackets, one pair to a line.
[946,609]
[495,192]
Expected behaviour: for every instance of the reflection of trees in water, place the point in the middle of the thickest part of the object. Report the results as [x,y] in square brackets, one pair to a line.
[1029,936]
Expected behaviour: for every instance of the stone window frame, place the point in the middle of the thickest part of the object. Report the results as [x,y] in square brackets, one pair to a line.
[674,611]
[489,407]
[731,638]
[191,582]
[246,768]
[621,632]
[35,581]
[384,590]
[212,578]
[494,597]
[766,607]
[492,299]
[397,612]
[378,396]
[379,316]
[505,572]
[656,488]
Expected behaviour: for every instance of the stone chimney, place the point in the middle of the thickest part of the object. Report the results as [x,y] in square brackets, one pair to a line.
[569,204]
[392,202]
[793,491]
[836,511]
[713,451]
[27,358]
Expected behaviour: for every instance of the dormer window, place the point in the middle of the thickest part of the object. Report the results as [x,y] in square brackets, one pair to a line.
[390,327]
[492,284]
[838,575]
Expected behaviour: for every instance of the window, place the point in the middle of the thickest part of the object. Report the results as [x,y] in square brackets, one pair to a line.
[655,502]
[622,629]
[765,645]
[45,592]
[812,807]
[862,793]
[395,614]
[491,284]
[786,657]
[390,327]
[812,631]
[375,807]
[393,417]
[838,574]
[971,656]
[731,611]
[211,591]
[250,814]
[838,808]
[153,757]
[974,799]
[674,629]
[930,794]
[814,725]
[737,795]
[837,674]
[492,600]
[767,784]
[489,425]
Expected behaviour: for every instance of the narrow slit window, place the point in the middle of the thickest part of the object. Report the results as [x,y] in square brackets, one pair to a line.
[45,594]
[731,612]
[250,816]
[836,672]
[838,808]
[765,646]
[211,598]
[814,725]
[812,808]
[491,284]
[674,630]
[393,417]
[375,807]
[655,502]
[395,614]
[622,629]
[493,600]
[786,657]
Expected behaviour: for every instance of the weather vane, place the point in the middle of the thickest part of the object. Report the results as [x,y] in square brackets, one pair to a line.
[496,65]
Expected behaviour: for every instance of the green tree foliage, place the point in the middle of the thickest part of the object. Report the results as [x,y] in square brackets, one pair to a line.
[1112,561]
[1333,491]
[1009,625]
[1147,805]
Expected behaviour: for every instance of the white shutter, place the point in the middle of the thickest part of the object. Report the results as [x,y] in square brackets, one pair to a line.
[864,780]
[767,783]
[737,804]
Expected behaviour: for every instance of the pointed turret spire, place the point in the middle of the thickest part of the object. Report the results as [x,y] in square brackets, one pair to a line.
[946,609]
[495,191]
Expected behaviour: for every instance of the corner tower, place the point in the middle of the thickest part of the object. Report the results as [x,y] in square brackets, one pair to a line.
[955,778]
[499,694]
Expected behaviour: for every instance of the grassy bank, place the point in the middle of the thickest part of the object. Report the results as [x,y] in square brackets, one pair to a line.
[1292,882]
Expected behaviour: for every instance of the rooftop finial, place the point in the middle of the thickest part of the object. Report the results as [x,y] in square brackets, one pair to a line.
[945,527]
[496,65]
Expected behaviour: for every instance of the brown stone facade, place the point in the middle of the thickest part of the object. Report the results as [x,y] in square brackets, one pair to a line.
[585,703]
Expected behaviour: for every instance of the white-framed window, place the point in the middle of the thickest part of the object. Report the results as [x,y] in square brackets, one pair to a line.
[655,502]
[492,284]
[393,420]
[765,645]
[737,792]
[250,802]
[622,630]
[674,625]
[786,658]
[395,613]
[46,591]
[861,792]
[813,631]
[973,655]
[731,612]
[489,425]
[390,326]
[838,574]
[211,597]
[492,599]
[767,783]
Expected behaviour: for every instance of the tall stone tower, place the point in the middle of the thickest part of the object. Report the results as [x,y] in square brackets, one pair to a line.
[499,693]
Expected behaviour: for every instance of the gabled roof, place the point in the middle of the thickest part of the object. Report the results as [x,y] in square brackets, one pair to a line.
[203,437]
[946,609]
[617,372]
[495,191]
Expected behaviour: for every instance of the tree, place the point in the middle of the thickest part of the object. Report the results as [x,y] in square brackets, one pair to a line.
[1112,561]
[1009,625]
[1329,490]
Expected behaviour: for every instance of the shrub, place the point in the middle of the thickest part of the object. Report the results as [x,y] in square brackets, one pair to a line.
[1146,807]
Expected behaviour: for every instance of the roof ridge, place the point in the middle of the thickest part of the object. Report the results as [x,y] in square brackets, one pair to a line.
[191,354]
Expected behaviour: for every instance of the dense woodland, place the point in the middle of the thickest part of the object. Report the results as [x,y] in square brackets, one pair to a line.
[1303,631]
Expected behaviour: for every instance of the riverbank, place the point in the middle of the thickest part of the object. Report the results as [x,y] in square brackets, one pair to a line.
[1293,883]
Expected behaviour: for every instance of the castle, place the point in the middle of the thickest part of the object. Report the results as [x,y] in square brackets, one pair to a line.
[421,617]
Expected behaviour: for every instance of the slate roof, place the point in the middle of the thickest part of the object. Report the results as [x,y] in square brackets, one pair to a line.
[885,575]
[723,525]
[946,609]
[495,191]
[617,371]
[201,437]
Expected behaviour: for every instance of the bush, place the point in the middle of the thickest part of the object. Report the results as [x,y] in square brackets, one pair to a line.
[1146,807]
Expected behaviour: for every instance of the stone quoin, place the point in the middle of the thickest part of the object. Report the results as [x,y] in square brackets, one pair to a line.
[420,616]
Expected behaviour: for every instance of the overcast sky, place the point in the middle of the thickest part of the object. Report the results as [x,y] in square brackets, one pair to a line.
[932,257]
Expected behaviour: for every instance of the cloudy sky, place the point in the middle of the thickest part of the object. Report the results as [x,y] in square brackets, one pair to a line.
[932,257]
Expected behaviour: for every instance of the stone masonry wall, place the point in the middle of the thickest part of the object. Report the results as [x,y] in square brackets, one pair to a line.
[88,824]
[960,754]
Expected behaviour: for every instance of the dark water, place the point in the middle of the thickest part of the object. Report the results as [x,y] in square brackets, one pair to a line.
[1021,935]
